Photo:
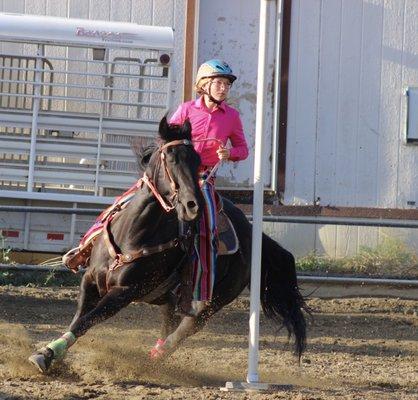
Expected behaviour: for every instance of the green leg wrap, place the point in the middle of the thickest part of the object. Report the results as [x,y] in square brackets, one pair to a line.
[61,345]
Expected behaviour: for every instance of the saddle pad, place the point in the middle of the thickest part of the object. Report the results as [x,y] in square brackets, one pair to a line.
[228,240]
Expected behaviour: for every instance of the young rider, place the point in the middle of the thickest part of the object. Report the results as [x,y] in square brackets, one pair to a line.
[214,124]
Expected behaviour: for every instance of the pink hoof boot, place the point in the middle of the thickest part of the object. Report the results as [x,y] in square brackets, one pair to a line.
[158,350]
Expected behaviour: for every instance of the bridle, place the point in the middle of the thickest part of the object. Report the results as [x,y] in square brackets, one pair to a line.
[170,204]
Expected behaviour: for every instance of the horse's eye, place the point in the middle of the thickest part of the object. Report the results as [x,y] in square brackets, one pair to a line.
[171,155]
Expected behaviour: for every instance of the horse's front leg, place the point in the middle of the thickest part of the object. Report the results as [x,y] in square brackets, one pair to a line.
[115,299]
[88,297]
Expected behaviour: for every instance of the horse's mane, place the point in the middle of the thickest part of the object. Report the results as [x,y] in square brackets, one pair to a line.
[143,148]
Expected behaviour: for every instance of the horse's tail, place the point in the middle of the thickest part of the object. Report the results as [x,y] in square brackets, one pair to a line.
[281,299]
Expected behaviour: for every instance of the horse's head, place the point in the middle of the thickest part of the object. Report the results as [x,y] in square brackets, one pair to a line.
[174,170]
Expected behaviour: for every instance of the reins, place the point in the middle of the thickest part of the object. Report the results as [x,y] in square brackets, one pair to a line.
[216,166]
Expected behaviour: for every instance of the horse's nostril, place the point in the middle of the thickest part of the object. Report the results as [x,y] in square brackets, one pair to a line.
[191,205]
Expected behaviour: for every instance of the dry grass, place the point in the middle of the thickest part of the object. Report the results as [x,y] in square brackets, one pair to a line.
[390,258]
[15,346]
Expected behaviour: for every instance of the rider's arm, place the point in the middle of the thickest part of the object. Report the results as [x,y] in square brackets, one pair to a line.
[239,149]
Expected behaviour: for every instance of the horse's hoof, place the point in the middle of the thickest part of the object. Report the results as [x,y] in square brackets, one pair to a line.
[42,359]
[157,352]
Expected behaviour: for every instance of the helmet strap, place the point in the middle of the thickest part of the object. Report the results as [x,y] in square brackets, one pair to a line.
[211,98]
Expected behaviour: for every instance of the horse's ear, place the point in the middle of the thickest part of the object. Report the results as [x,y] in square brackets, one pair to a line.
[163,127]
[186,129]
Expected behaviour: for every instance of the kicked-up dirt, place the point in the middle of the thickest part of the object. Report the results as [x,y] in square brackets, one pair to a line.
[359,348]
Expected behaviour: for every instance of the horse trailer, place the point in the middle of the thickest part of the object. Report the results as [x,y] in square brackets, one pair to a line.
[74,96]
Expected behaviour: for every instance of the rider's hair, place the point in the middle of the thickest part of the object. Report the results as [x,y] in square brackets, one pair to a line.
[202,82]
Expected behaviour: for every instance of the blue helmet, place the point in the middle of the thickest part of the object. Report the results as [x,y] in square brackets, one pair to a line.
[213,68]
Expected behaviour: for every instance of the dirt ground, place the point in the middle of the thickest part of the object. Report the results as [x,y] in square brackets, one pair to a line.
[359,348]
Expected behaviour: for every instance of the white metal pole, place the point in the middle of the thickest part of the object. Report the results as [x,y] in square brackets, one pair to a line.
[103,107]
[252,376]
[35,114]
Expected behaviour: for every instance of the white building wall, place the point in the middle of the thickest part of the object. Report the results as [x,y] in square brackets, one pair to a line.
[350,63]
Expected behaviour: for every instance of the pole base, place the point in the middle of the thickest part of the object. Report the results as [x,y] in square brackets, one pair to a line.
[254,387]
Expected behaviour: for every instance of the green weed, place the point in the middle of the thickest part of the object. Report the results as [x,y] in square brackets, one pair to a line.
[4,250]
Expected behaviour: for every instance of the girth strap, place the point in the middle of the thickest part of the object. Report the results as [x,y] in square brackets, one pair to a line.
[120,258]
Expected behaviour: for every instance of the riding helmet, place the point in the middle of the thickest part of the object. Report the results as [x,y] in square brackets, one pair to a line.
[212,69]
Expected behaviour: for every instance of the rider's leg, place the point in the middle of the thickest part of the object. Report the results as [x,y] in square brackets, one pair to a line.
[206,247]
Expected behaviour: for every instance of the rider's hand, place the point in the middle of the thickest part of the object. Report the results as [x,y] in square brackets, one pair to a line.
[223,153]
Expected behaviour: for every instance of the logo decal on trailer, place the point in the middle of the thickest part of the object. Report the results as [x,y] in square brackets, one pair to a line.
[10,234]
[55,236]
[106,36]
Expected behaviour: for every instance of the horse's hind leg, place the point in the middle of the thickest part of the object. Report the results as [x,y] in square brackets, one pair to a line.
[117,298]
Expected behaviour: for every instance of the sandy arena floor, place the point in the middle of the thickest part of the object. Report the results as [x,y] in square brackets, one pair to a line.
[359,348]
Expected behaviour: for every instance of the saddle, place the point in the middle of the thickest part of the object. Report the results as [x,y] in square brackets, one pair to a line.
[228,240]
[79,257]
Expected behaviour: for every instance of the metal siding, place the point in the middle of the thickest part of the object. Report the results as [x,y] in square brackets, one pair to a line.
[348,116]
[179,18]
[349,65]
[328,101]
[142,11]
[297,238]
[99,9]
[303,81]
[353,103]
[408,155]
[368,121]
[348,103]
[56,8]
[17,6]
[37,7]
[369,112]
[120,10]
[14,6]
[391,89]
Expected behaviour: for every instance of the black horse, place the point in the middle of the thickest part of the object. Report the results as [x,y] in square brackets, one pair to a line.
[141,257]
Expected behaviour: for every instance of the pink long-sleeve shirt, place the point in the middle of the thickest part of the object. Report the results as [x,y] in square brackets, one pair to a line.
[223,123]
